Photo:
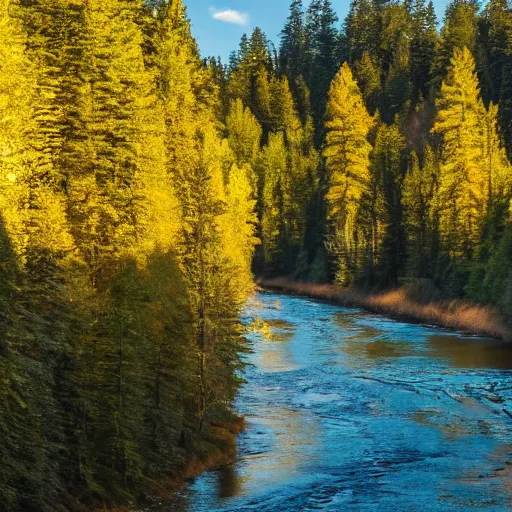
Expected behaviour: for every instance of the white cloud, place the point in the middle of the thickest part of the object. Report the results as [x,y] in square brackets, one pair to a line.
[230,16]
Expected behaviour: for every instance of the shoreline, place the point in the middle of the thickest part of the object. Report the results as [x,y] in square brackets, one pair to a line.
[222,451]
[456,315]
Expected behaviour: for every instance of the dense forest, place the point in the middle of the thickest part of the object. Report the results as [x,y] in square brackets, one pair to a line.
[142,187]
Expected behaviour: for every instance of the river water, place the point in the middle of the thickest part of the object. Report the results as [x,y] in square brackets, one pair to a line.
[351,411]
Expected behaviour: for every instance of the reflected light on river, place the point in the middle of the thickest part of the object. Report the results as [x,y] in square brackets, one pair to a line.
[472,352]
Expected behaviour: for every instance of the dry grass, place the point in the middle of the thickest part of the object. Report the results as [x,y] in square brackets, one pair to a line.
[455,314]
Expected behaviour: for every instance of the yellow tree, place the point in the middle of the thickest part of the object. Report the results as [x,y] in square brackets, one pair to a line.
[17,93]
[494,161]
[271,169]
[35,246]
[244,133]
[239,228]
[347,153]
[463,186]
[181,86]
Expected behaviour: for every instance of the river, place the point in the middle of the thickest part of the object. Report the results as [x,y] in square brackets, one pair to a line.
[351,411]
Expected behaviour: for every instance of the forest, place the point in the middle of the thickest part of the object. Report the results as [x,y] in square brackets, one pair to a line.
[143,187]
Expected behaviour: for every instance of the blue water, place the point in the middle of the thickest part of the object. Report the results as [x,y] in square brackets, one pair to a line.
[347,410]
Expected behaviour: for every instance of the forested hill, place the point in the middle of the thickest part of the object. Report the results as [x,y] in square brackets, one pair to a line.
[141,188]
[384,145]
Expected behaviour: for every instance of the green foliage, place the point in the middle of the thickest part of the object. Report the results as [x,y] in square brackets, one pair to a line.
[367,74]
[388,167]
[459,31]
[418,191]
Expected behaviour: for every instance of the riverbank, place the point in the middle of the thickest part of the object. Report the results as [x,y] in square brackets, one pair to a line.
[455,314]
[216,450]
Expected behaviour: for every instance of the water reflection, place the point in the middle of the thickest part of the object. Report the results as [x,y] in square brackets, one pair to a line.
[352,330]
[229,482]
[471,352]
[451,427]
[275,330]
[277,357]
[378,349]
[290,445]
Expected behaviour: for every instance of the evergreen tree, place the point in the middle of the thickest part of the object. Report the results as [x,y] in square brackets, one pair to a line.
[322,55]
[300,180]
[362,27]
[347,153]
[272,168]
[459,31]
[461,197]
[244,133]
[424,45]
[293,43]
[417,199]
[367,73]
[495,29]
[387,166]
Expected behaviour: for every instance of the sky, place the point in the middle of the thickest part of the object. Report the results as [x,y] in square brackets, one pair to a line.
[218,24]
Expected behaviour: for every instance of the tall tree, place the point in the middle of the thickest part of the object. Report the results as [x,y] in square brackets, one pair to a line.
[271,168]
[461,196]
[362,27]
[387,163]
[459,31]
[244,133]
[293,43]
[322,53]
[420,224]
[347,153]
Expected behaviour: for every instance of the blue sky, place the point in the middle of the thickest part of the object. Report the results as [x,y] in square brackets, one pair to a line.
[219,24]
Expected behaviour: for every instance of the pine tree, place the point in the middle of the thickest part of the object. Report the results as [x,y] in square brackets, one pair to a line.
[244,133]
[17,94]
[387,163]
[239,230]
[54,41]
[293,43]
[203,262]
[322,55]
[494,163]
[347,153]
[417,198]
[367,73]
[34,210]
[300,180]
[495,30]
[110,210]
[362,30]
[271,169]
[424,46]
[459,31]
[461,197]
[17,88]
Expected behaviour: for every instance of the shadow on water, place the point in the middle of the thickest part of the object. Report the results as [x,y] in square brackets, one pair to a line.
[471,352]
[228,482]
